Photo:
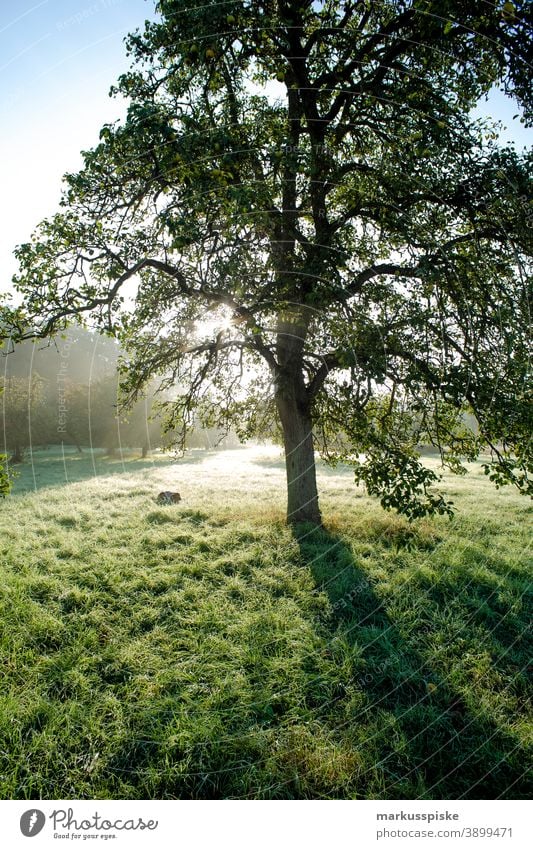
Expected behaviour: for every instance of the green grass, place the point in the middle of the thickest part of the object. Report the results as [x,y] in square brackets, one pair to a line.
[204,651]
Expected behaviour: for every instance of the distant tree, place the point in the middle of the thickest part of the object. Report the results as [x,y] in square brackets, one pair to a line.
[102,414]
[141,425]
[109,426]
[75,428]
[360,244]
[89,415]
[25,415]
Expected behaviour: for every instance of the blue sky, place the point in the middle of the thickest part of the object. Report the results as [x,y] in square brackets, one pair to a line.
[58,59]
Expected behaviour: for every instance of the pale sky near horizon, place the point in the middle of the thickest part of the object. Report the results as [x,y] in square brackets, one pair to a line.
[58,59]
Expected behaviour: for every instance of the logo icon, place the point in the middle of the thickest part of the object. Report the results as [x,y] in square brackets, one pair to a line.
[32,822]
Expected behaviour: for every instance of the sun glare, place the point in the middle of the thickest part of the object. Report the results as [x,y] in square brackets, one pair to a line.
[215,323]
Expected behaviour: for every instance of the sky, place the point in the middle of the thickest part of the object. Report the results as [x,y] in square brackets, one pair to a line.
[58,59]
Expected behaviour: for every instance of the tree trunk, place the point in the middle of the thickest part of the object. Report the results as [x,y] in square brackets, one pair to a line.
[296,422]
[75,441]
[18,455]
[144,451]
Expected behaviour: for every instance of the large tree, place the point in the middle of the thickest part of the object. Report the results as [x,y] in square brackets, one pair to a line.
[300,213]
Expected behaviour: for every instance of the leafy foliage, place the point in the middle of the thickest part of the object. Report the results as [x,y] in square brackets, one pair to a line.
[358,242]
[5,483]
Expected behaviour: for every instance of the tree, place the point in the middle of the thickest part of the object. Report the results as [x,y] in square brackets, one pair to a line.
[5,484]
[26,420]
[106,424]
[76,416]
[352,253]
[102,414]
[141,425]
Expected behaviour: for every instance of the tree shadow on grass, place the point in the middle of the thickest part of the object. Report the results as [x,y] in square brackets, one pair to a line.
[51,469]
[369,691]
[430,743]
[498,603]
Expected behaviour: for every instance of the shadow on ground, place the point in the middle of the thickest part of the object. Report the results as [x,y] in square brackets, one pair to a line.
[52,468]
[437,743]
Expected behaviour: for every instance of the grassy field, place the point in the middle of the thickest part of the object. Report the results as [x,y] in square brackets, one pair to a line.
[203,650]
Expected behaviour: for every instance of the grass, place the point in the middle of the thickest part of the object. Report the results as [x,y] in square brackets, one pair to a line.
[203,650]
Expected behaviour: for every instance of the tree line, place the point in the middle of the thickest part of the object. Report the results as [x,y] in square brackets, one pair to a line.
[69,394]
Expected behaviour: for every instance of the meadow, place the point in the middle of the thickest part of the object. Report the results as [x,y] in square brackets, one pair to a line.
[205,650]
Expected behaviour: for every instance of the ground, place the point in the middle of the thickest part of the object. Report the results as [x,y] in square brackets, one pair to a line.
[203,650]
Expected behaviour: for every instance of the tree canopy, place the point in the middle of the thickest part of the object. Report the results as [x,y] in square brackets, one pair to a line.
[300,215]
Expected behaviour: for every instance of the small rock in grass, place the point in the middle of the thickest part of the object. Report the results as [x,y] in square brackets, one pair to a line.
[168,497]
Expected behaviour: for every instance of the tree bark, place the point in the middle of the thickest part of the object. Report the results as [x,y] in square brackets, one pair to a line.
[296,422]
